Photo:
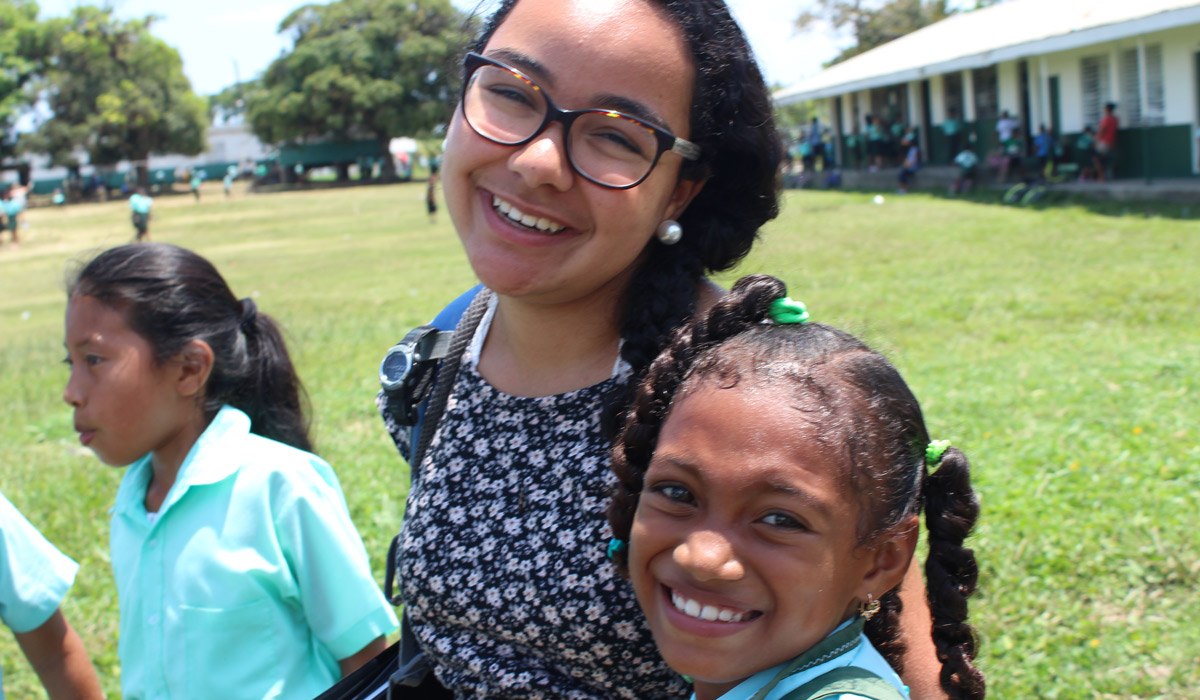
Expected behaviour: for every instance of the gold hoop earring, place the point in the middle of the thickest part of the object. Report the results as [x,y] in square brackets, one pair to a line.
[868,609]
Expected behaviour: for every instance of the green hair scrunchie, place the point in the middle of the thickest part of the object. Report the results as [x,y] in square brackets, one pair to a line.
[787,310]
[934,452]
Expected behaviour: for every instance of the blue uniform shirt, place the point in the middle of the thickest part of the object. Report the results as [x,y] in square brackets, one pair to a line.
[34,575]
[863,656]
[249,582]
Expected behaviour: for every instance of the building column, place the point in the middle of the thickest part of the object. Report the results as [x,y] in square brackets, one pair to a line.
[968,96]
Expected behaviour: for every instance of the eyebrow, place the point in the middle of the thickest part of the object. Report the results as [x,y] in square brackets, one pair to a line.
[542,75]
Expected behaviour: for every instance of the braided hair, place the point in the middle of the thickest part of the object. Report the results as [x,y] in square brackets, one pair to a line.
[171,296]
[732,122]
[866,410]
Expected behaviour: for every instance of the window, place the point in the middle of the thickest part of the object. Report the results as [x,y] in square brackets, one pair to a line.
[987,93]
[1140,74]
[1130,98]
[1156,106]
[952,93]
[1094,76]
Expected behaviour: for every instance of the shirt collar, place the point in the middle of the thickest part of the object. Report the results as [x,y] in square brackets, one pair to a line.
[215,457]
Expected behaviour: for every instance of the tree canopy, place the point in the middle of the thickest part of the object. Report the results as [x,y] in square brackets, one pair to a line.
[362,69]
[116,91]
[22,50]
[875,22]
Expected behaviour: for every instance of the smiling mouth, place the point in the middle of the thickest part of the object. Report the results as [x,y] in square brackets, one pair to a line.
[710,613]
[529,221]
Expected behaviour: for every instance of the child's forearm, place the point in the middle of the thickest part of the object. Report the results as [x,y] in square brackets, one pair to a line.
[60,660]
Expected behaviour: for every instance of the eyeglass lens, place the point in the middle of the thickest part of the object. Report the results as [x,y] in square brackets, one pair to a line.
[604,146]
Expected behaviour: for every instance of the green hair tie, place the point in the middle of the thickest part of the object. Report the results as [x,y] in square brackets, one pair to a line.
[934,452]
[787,310]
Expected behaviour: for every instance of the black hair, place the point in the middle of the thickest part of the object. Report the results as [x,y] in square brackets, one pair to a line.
[732,121]
[171,296]
[862,409]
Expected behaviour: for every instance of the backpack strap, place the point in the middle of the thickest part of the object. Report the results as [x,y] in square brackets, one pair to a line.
[846,680]
[463,316]
[436,405]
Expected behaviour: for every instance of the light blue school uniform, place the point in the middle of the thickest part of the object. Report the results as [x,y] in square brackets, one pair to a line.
[34,575]
[856,651]
[140,203]
[14,205]
[250,581]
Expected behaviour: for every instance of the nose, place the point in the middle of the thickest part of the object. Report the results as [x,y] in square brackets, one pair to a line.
[544,161]
[709,556]
[71,393]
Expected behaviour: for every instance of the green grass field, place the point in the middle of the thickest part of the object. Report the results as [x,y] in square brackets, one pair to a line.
[1060,348]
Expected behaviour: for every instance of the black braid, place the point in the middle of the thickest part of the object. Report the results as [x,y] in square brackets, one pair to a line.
[883,629]
[951,573]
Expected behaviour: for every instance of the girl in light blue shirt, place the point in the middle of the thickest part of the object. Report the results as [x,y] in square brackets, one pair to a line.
[771,475]
[238,570]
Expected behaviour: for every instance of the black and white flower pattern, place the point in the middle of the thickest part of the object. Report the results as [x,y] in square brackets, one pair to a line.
[503,566]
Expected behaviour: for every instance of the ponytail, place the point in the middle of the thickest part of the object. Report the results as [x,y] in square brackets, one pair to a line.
[951,573]
[263,384]
[171,296]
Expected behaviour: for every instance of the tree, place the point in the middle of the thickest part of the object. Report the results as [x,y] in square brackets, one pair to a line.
[362,69]
[22,51]
[118,92]
[873,23]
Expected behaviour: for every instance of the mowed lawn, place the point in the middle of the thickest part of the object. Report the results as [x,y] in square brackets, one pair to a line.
[1058,347]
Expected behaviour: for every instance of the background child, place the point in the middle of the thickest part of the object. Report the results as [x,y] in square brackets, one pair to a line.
[238,571]
[967,163]
[139,204]
[34,578]
[912,161]
[771,474]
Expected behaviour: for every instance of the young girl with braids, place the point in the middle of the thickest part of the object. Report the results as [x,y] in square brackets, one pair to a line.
[771,475]
[238,571]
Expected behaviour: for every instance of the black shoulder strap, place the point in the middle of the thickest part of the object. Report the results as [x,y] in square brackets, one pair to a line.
[846,679]
[463,333]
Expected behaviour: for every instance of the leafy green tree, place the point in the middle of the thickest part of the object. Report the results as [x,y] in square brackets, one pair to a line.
[231,102]
[116,91]
[22,51]
[362,69]
[873,23]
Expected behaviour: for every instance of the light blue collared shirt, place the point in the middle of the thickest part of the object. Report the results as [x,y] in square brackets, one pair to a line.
[34,575]
[251,582]
[863,656]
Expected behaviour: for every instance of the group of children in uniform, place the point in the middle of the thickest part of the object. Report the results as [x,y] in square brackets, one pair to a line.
[771,474]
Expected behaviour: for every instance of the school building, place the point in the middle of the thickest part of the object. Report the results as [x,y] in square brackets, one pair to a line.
[1051,62]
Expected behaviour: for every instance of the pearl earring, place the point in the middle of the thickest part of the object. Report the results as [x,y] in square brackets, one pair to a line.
[669,232]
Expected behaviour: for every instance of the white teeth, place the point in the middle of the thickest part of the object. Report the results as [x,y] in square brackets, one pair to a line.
[540,223]
[708,613]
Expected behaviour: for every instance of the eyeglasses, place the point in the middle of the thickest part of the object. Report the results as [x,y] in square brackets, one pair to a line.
[608,148]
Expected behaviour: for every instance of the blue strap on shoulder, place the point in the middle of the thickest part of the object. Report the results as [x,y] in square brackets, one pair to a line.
[446,320]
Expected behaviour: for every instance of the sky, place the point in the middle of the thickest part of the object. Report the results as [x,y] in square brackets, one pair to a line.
[222,41]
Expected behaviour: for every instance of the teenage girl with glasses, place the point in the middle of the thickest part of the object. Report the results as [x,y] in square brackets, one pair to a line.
[605,158]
